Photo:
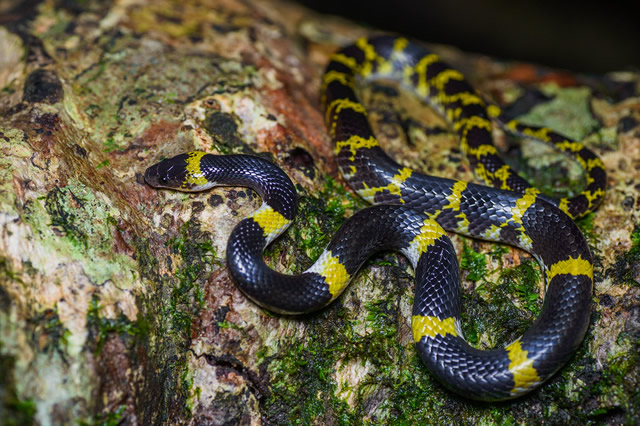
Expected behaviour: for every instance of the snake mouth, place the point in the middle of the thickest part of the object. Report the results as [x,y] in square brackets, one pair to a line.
[151,176]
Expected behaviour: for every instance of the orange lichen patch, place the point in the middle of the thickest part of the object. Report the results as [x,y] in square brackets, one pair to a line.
[159,133]
[303,122]
[525,73]
[270,137]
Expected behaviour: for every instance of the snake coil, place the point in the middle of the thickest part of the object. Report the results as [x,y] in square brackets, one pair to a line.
[409,213]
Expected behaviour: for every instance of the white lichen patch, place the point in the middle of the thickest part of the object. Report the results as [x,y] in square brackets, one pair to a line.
[58,244]
[11,65]
[212,382]
[253,117]
[349,376]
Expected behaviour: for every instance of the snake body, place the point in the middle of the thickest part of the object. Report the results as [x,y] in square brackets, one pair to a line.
[409,213]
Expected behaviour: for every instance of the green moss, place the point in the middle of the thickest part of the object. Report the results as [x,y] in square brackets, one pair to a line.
[49,332]
[523,280]
[230,325]
[170,308]
[110,145]
[7,272]
[474,262]
[567,113]
[105,419]
[100,327]
[626,269]
[83,228]
[63,216]
[303,389]
[304,372]
[104,163]
[13,409]
[586,225]
[196,258]
[320,216]
[496,312]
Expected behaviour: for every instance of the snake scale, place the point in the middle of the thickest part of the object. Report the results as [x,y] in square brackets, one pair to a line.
[408,215]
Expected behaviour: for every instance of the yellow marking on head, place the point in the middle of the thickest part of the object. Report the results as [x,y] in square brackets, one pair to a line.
[334,273]
[524,374]
[494,111]
[428,326]
[194,174]
[571,266]
[354,143]
[271,222]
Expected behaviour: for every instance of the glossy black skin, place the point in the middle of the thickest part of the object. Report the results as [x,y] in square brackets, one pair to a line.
[478,374]
[542,228]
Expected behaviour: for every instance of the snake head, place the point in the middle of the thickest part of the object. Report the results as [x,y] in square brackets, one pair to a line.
[182,173]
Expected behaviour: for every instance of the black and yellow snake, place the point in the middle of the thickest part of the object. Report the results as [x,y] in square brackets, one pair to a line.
[410,209]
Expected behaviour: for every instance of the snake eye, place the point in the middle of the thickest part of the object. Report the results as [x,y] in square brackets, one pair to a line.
[164,180]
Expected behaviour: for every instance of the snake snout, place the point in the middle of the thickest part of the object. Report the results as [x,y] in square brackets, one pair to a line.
[151,176]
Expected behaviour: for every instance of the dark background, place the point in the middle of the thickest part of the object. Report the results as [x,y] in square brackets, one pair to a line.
[585,36]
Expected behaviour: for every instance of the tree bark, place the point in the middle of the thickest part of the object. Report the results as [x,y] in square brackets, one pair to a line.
[115,303]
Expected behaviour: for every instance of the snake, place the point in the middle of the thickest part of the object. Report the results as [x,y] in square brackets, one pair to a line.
[410,212]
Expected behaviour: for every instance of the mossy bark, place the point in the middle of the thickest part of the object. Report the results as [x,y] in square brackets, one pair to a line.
[115,304]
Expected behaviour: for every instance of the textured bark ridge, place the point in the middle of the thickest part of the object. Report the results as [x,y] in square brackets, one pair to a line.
[115,304]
